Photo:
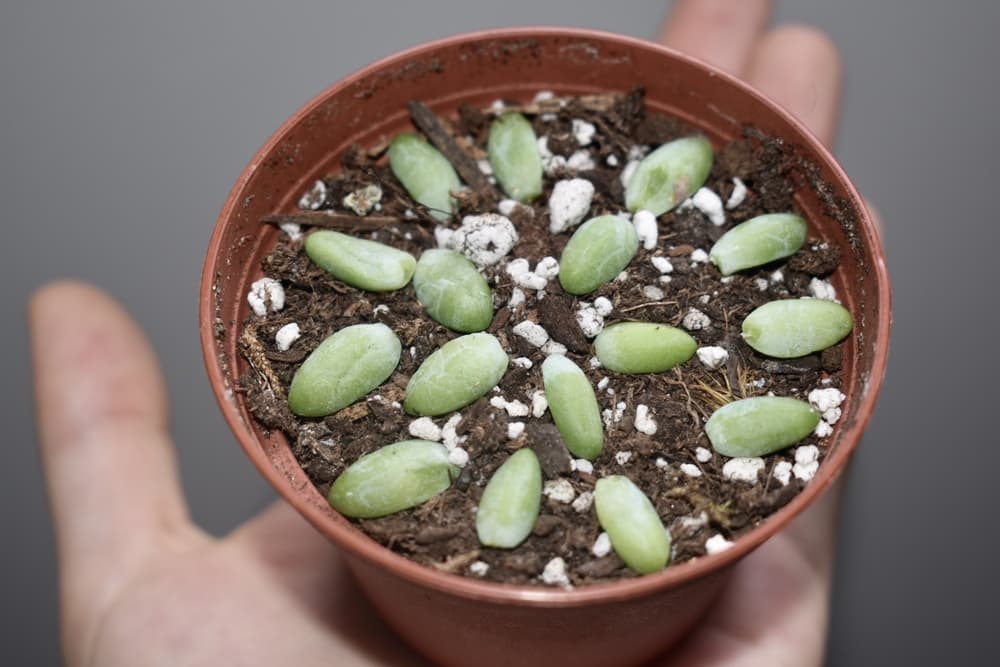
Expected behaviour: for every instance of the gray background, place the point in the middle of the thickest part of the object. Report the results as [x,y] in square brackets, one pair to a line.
[126,122]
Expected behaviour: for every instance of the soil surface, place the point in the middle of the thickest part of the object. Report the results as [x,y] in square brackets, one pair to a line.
[674,466]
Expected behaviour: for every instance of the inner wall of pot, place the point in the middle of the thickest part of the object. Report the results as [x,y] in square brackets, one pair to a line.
[372,107]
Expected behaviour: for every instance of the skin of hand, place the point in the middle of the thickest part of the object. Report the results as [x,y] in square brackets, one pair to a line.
[140,584]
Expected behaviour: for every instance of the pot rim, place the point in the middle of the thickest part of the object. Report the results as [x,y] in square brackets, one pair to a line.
[361,546]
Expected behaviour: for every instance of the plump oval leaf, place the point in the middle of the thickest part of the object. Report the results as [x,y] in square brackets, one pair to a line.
[458,373]
[425,173]
[393,478]
[360,263]
[760,425]
[669,175]
[596,253]
[513,152]
[343,368]
[790,328]
[630,520]
[758,241]
[643,347]
[453,291]
[573,406]
[510,502]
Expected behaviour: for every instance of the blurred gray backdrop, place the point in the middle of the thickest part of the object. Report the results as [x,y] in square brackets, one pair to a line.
[125,123]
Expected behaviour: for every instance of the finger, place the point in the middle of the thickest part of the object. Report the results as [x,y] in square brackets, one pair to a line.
[721,32]
[311,569]
[101,412]
[800,68]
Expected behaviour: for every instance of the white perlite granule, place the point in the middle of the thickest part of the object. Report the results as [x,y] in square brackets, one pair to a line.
[425,429]
[661,463]
[514,430]
[485,239]
[602,545]
[614,416]
[694,522]
[621,458]
[583,131]
[581,465]
[569,203]
[739,194]
[363,200]
[513,408]
[603,306]
[314,199]
[783,472]
[645,228]
[534,333]
[547,267]
[644,422]
[523,362]
[590,321]
[695,320]
[442,236]
[709,204]
[822,289]
[458,457]
[516,298]
[712,357]
[825,399]
[690,469]
[449,436]
[581,161]
[699,256]
[539,404]
[554,573]
[266,295]
[292,229]
[742,469]
[552,347]
[806,462]
[479,568]
[286,335]
[652,292]
[662,264]
[823,429]
[703,455]
[583,502]
[559,490]
[716,543]
[506,206]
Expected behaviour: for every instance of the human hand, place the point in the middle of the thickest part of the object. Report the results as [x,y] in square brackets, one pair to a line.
[141,585]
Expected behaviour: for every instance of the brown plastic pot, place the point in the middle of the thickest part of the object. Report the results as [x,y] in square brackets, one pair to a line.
[462,621]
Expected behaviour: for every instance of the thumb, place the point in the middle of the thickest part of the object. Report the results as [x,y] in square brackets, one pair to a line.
[108,462]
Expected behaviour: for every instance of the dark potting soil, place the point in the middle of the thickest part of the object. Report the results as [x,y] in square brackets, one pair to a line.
[674,466]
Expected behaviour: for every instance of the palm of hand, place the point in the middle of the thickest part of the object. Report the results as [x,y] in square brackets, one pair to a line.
[140,585]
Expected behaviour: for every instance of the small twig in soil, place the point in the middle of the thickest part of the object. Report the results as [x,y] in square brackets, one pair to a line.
[648,304]
[599,103]
[464,164]
[457,562]
[331,220]
[257,356]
